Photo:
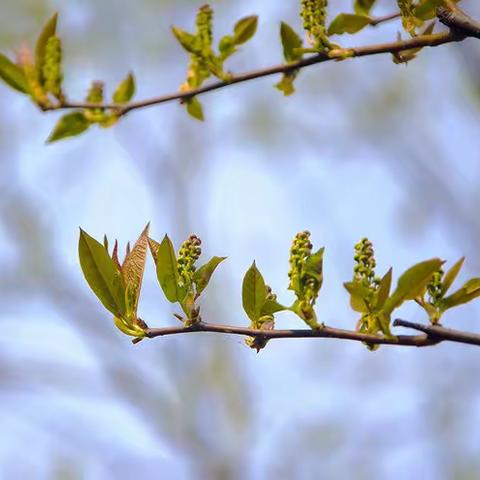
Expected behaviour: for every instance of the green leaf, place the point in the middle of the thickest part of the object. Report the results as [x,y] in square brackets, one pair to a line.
[69,125]
[49,30]
[347,23]
[383,290]
[426,9]
[101,274]
[167,272]
[290,41]
[226,46]
[271,306]
[134,266]
[314,265]
[12,74]
[194,108]
[363,7]
[412,283]
[450,276]
[254,293]
[468,292]
[125,90]
[245,29]
[359,296]
[187,40]
[285,85]
[202,276]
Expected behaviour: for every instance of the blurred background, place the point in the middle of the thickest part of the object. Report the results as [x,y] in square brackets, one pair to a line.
[364,148]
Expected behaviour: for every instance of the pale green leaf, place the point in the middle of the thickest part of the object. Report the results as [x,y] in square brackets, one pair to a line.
[101,274]
[194,108]
[363,7]
[202,276]
[285,85]
[271,306]
[167,272]
[187,40]
[290,42]
[69,125]
[451,275]
[314,265]
[359,296]
[412,283]
[48,31]
[468,292]
[383,290]
[254,293]
[245,29]
[125,90]
[12,74]
[226,46]
[347,23]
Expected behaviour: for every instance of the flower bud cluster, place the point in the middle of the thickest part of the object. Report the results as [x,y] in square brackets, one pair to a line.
[301,249]
[434,288]
[51,70]
[188,254]
[314,15]
[204,23]
[364,270]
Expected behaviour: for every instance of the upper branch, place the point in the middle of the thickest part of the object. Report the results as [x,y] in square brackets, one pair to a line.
[421,41]
[457,20]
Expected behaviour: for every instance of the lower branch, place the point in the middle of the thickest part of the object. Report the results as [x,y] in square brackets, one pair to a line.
[325,332]
[441,333]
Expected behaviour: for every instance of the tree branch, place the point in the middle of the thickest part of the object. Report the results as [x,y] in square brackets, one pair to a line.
[441,333]
[386,18]
[433,334]
[457,20]
[421,41]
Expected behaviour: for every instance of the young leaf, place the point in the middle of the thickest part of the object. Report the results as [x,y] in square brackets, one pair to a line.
[186,40]
[383,290]
[12,75]
[450,276]
[359,295]
[134,266]
[167,272]
[69,125]
[412,283]
[48,31]
[426,9]
[468,292]
[254,293]
[270,307]
[194,108]
[202,276]
[290,41]
[101,274]
[245,29]
[285,85]
[363,7]
[226,46]
[125,90]
[347,23]
[314,265]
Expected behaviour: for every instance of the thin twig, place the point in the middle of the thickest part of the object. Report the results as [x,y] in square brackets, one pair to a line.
[442,333]
[433,334]
[386,18]
[325,332]
[421,41]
